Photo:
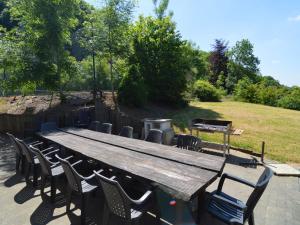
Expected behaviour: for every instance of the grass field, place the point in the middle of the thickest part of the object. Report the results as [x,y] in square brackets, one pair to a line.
[279,128]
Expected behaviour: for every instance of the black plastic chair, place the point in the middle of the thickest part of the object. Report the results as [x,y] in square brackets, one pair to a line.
[32,161]
[95,126]
[188,142]
[233,211]
[78,184]
[155,136]
[50,171]
[48,126]
[126,131]
[119,204]
[20,156]
[83,120]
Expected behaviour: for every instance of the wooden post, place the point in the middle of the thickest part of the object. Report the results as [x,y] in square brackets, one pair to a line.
[262,151]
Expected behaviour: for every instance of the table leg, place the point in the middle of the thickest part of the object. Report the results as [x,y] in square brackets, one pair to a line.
[201,206]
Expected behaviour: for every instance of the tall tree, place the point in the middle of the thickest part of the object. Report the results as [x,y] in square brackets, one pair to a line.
[159,52]
[242,63]
[113,39]
[218,61]
[45,26]
[160,8]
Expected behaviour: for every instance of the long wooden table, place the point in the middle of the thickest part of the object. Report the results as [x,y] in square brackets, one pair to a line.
[180,173]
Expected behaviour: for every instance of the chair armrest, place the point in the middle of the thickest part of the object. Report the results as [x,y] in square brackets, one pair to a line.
[76,163]
[221,199]
[49,153]
[54,164]
[69,157]
[47,149]
[34,144]
[142,200]
[234,178]
[92,176]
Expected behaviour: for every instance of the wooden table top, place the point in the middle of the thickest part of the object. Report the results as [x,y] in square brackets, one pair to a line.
[180,173]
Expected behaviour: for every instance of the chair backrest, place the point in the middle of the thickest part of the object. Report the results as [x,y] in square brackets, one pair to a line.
[116,198]
[17,146]
[106,128]
[127,131]
[188,142]
[258,191]
[29,155]
[73,177]
[95,126]
[155,136]
[48,126]
[44,162]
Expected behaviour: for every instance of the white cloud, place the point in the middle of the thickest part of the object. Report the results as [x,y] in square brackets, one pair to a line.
[294,18]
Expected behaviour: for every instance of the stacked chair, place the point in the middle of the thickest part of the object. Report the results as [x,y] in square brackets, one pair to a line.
[126,131]
[103,128]
[155,136]
[188,142]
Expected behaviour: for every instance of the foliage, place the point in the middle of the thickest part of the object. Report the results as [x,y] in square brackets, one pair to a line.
[132,91]
[198,66]
[242,63]
[245,91]
[206,92]
[160,8]
[158,50]
[291,100]
[218,61]
[45,26]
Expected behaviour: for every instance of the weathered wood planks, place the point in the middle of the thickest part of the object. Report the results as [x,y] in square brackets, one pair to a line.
[179,179]
[197,159]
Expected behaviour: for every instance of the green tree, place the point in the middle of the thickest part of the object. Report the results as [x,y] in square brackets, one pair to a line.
[160,8]
[113,39]
[132,91]
[45,27]
[159,52]
[242,63]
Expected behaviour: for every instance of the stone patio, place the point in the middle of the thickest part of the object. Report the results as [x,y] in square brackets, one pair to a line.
[22,205]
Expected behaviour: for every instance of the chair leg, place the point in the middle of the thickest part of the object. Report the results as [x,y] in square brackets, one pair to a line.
[83,209]
[27,175]
[23,164]
[53,189]
[18,160]
[43,184]
[106,215]
[69,199]
[35,175]
[251,219]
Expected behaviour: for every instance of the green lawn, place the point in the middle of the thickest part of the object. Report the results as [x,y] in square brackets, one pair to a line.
[279,128]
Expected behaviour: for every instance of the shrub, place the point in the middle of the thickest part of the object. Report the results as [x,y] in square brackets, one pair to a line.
[291,100]
[269,95]
[132,90]
[246,91]
[28,88]
[206,92]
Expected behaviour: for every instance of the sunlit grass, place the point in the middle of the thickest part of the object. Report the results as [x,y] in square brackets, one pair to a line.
[3,105]
[279,128]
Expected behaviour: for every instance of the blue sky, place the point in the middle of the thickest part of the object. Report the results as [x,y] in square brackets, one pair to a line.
[273,26]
